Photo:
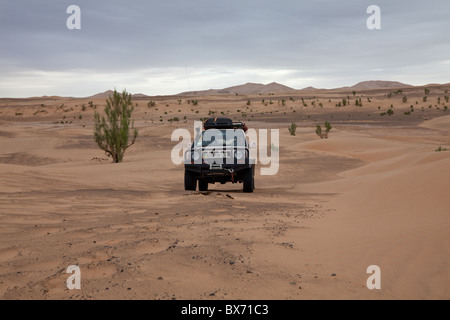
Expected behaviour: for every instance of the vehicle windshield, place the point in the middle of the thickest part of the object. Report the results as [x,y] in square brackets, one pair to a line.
[221,138]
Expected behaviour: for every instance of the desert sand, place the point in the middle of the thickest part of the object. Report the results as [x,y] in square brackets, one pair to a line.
[374,193]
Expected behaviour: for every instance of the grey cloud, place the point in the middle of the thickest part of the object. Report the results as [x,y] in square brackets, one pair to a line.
[319,37]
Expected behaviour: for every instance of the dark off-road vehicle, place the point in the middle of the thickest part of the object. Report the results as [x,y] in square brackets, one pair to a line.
[220,153]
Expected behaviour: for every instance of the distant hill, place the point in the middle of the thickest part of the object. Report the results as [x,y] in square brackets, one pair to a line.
[258,88]
[109,93]
[310,89]
[105,95]
[378,84]
[248,88]
[139,95]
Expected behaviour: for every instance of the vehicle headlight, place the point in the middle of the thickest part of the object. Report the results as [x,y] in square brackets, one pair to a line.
[239,154]
[196,155]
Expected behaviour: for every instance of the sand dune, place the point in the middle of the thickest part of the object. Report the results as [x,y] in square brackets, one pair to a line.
[377,84]
[248,88]
[374,193]
[391,213]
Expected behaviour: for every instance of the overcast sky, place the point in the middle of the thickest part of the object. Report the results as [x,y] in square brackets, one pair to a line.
[170,46]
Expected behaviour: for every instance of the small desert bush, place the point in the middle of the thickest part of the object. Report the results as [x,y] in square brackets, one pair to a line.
[115,133]
[292,129]
[321,133]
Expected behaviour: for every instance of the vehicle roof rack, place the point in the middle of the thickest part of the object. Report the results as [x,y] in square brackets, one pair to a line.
[223,123]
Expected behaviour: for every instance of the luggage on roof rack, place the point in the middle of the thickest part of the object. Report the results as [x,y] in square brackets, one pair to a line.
[223,123]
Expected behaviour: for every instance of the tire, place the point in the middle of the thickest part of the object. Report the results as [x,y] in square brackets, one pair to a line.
[190,184]
[202,185]
[249,181]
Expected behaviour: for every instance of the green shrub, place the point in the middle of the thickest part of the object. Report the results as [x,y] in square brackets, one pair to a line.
[323,134]
[116,133]
[292,129]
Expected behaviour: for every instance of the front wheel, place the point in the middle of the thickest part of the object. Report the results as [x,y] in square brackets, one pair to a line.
[202,185]
[249,180]
[190,184]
